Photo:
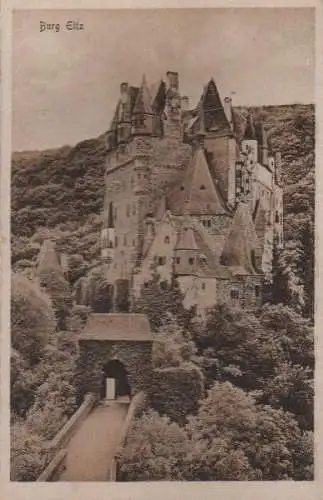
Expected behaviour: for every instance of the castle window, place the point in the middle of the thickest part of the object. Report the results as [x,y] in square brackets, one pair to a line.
[209,223]
[191,261]
[257,290]
[124,239]
[146,284]
[163,285]
[234,293]
[203,286]
[116,241]
[139,121]
[161,261]
[133,243]
[204,222]
[277,217]
[202,187]
[166,240]
[134,209]
[128,210]
[253,259]
[178,260]
[110,244]
[182,188]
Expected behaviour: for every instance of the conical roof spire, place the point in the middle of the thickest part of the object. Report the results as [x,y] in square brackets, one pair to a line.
[250,131]
[143,101]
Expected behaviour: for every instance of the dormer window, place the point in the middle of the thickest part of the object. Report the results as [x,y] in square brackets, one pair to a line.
[202,187]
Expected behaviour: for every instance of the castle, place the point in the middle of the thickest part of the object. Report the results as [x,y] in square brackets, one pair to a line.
[187,198]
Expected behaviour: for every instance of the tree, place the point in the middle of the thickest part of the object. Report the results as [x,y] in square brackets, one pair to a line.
[32,318]
[162,302]
[28,456]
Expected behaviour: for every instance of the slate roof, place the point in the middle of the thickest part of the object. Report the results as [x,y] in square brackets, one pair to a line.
[117,327]
[197,193]
[47,258]
[241,241]
[143,101]
[186,239]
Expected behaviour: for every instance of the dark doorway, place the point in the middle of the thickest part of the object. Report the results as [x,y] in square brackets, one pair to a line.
[116,370]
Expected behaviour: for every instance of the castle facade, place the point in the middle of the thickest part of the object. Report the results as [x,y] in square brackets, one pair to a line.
[188,198]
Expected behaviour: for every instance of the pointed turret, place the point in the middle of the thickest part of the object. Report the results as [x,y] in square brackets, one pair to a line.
[186,251]
[250,131]
[197,194]
[47,258]
[241,246]
[262,137]
[249,142]
[142,112]
[216,120]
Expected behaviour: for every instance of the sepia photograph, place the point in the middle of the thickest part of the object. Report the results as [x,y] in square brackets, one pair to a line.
[162,245]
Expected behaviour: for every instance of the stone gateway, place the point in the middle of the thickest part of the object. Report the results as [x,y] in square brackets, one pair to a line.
[115,355]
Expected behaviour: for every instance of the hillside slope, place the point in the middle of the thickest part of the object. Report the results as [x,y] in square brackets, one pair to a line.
[59,193]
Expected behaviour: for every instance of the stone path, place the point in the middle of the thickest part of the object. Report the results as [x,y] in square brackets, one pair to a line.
[92,448]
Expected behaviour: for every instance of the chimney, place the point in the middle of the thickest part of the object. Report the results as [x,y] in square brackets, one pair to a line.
[172,79]
[228,108]
[184,103]
[124,86]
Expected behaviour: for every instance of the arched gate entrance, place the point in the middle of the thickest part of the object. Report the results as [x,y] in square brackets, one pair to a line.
[114,381]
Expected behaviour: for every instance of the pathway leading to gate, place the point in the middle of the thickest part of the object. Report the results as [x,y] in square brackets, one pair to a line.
[93,446]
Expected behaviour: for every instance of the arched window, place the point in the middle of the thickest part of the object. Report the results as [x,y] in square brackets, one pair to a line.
[178,260]
[234,293]
[166,240]
[191,260]
[277,217]
[116,241]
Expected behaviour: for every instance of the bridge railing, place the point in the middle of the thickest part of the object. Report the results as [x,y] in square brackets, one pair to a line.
[56,466]
[136,406]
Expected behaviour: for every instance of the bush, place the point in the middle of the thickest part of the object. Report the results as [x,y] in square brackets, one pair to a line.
[32,318]
[177,391]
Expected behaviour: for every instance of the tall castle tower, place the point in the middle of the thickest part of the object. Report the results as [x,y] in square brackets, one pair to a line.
[174,170]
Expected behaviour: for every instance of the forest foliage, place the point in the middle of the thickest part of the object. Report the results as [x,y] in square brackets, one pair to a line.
[256,419]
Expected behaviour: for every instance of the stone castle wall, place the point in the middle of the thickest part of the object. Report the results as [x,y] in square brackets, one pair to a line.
[95,354]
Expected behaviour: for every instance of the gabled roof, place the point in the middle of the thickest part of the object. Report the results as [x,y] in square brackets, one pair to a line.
[117,327]
[241,241]
[143,101]
[197,193]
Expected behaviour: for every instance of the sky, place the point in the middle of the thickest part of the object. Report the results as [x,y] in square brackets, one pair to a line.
[66,83]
